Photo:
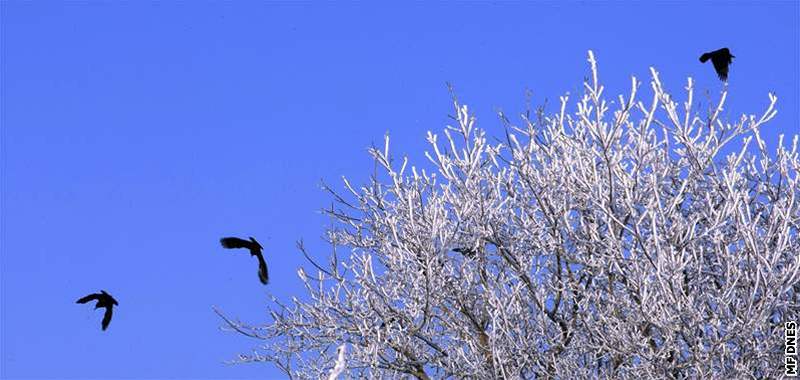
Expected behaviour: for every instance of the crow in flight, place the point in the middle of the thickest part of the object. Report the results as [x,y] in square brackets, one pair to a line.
[721,59]
[103,300]
[255,250]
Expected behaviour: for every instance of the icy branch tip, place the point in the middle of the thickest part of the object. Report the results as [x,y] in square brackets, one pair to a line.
[340,364]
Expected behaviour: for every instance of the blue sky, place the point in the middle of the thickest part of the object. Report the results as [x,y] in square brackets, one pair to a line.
[134,135]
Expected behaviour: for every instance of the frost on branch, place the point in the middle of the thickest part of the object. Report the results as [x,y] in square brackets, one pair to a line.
[647,241]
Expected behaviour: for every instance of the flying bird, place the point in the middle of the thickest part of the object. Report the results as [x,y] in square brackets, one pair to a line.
[721,59]
[103,300]
[255,250]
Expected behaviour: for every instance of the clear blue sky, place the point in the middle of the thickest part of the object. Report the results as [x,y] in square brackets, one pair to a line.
[136,134]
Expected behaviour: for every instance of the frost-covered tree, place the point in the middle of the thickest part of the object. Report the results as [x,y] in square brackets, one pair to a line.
[651,241]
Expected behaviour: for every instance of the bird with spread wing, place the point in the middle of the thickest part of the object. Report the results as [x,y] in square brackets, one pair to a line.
[721,59]
[255,250]
[103,300]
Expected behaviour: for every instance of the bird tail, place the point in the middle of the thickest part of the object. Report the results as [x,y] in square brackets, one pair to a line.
[705,57]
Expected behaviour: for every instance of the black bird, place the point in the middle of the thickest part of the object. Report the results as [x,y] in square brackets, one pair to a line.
[721,59]
[468,252]
[255,250]
[103,300]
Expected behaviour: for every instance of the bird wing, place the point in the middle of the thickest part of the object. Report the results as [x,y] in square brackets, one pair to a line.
[721,66]
[107,317]
[232,242]
[263,273]
[88,298]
